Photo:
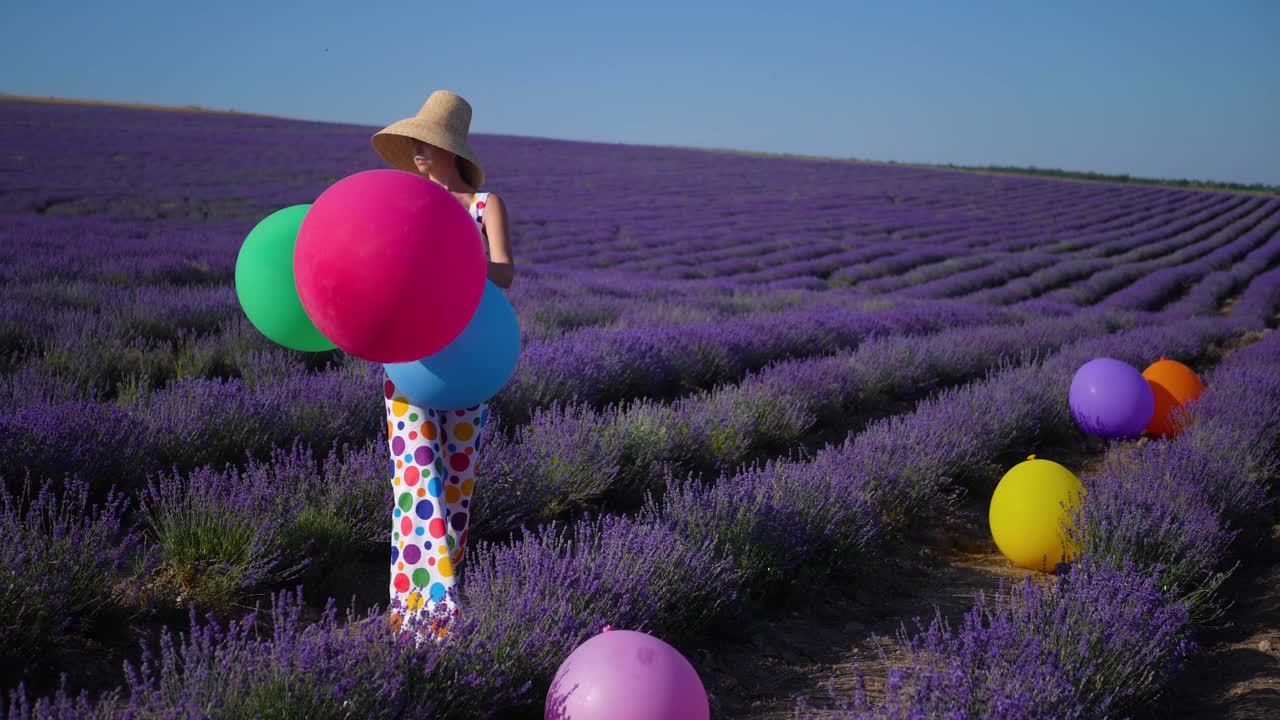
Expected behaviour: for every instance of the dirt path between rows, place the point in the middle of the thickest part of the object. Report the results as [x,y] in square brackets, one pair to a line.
[785,654]
[1237,674]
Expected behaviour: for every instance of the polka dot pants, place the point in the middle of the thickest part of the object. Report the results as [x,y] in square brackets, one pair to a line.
[433,460]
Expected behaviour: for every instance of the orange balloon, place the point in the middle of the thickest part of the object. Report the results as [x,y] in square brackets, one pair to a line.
[1174,385]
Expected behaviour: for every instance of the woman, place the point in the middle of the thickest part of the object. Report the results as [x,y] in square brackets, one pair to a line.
[434,451]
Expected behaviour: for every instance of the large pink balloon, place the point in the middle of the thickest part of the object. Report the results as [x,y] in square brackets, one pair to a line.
[626,675]
[389,266]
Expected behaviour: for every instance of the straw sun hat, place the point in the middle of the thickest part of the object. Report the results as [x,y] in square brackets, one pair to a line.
[443,121]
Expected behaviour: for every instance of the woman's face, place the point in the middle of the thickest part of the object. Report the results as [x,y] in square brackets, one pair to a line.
[429,158]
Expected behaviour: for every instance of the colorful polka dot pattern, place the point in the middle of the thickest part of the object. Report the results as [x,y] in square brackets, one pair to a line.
[433,462]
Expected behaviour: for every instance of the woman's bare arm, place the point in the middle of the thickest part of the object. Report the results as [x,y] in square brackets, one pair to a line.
[502,268]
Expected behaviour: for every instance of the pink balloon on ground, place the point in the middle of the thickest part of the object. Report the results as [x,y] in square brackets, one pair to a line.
[626,675]
[389,266]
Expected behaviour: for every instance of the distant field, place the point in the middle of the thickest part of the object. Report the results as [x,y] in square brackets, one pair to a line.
[764,400]
[1184,183]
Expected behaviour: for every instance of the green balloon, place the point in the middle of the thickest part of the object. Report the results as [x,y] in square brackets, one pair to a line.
[266,287]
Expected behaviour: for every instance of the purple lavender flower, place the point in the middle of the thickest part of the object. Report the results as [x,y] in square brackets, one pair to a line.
[1084,645]
[60,560]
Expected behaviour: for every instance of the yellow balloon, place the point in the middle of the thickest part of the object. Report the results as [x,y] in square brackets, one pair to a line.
[1029,509]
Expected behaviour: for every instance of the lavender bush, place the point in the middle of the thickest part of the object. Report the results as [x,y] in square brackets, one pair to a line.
[322,669]
[60,560]
[533,601]
[221,535]
[627,453]
[1082,646]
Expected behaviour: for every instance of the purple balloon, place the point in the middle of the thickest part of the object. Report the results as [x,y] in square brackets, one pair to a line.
[626,675]
[1111,399]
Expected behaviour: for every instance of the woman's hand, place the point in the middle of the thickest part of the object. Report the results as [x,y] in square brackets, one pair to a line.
[502,268]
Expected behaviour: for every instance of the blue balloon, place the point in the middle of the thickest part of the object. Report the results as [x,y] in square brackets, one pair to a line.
[472,368]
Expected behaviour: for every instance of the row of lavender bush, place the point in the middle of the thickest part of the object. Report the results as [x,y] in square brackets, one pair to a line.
[1212,289]
[1032,228]
[1211,234]
[599,367]
[641,244]
[197,420]
[1162,231]
[52,322]
[1107,272]
[1092,253]
[1156,288]
[938,280]
[573,455]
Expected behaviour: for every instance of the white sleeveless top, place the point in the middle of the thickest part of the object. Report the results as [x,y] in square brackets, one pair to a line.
[478,201]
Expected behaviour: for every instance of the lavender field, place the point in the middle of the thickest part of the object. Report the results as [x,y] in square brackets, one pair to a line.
[748,384]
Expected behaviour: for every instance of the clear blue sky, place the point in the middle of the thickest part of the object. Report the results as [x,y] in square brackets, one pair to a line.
[1164,89]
